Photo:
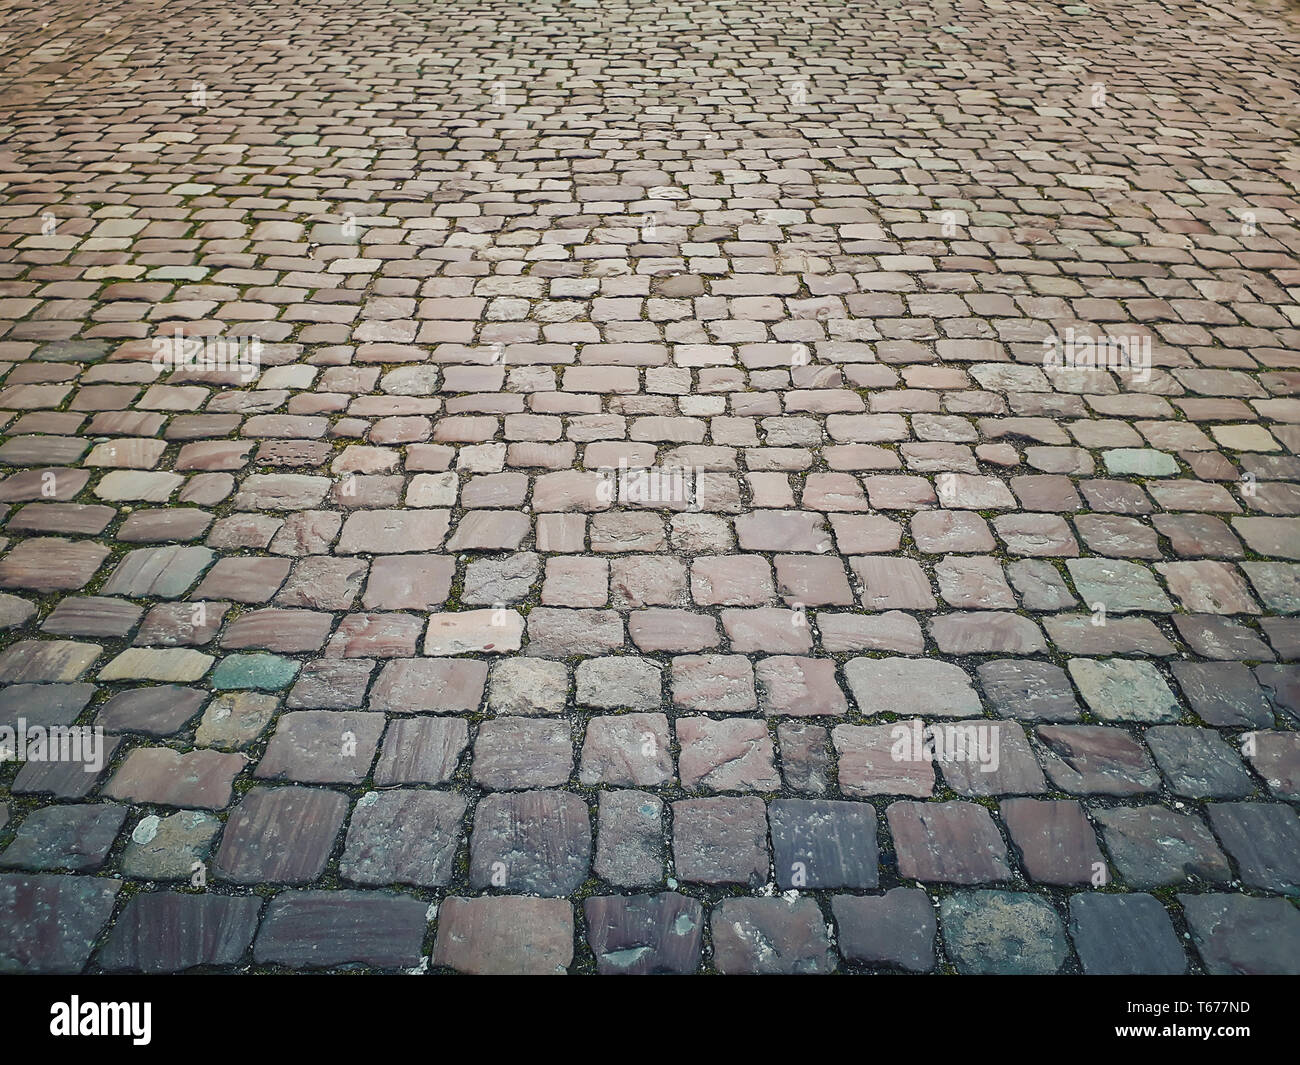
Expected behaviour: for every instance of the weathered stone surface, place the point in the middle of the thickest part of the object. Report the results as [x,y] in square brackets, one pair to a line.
[514,753]
[1197,763]
[1002,932]
[535,841]
[1055,842]
[167,848]
[324,929]
[629,838]
[1275,756]
[164,777]
[986,759]
[245,580]
[1120,690]
[891,631]
[1239,935]
[1155,847]
[1281,685]
[48,924]
[409,582]
[804,757]
[43,704]
[1220,638]
[322,747]
[170,931]
[1124,935]
[158,572]
[64,837]
[1121,587]
[50,564]
[405,836]
[1264,842]
[1223,694]
[770,936]
[381,532]
[1034,691]
[871,762]
[714,684]
[94,616]
[721,840]
[528,686]
[413,685]
[280,835]
[627,750]
[421,750]
[505,935]
[894,930]
[645,935]
[820,843]
[910,686]
[1087,759]
[47,661]
[235,721]
[160,710]
[15,611]
[261,672]
[496,631]
[987,632]
[171,665]
[799,687]
[735,754]
[947,843]
[321,583]
[642,447]
[618,682]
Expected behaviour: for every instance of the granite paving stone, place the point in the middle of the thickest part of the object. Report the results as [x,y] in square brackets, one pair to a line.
[1155,847]
[280,835]
[895,930]
[171,931]
[516,753]
[823,844]
[645,935]
[721,840]
[1275,756]
[324,929]
[1003,932]
[536,841]
[75,837]
[50,922]
[770,936]
[403,836]
[322,747]
[652,447]
[421,750]
[949,843]
[1124,935]
[1241,935]
[174,847]
[1095,759]
[629,838]
[1263,840]
[1055,841]
[164,777]
[734,754]
[504,935]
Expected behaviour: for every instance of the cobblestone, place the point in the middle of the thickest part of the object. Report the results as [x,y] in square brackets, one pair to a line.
[662,428]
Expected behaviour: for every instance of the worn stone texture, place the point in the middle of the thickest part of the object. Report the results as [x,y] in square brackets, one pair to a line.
[845,449]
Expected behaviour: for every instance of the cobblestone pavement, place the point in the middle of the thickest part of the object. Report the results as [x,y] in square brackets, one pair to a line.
[953,627]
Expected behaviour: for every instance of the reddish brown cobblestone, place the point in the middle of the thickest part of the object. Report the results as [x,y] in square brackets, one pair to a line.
[645,488]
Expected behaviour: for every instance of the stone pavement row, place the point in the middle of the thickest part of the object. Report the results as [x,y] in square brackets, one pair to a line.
[651,488]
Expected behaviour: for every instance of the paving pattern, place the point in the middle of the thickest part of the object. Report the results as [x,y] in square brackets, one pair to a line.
[683,486]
